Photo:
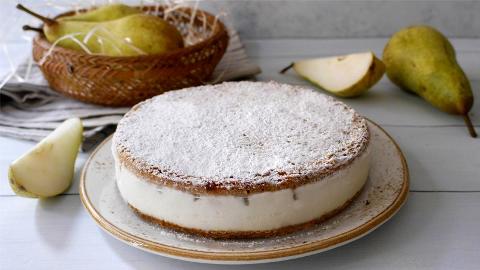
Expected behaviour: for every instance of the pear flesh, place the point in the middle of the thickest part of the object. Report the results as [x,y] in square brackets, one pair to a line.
[421,60]
[345,76]
[47,169]
[103,13]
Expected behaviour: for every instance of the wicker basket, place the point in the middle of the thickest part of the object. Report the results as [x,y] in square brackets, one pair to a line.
[125,81]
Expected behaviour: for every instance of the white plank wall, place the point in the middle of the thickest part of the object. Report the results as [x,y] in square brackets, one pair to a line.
[437,228]
[298,18]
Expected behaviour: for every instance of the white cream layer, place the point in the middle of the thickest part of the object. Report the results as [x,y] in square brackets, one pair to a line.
[264,211]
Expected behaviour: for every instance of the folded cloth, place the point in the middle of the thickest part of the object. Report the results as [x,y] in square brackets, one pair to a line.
[30,110]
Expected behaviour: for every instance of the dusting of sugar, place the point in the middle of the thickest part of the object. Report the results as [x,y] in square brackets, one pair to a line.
[240,131]
[388,175]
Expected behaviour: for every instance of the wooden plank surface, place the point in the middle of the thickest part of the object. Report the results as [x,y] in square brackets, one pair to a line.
[435,230]
[439,158]
[432,231]
[297,48]
[385,103]
[437,145]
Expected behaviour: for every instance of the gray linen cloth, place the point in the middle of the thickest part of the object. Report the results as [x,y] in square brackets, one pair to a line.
[30,110]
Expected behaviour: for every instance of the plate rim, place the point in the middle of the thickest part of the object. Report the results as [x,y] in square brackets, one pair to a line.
[246,257]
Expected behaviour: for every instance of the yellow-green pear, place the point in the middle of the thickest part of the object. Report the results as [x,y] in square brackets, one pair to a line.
[345,76]
[47,169]
[421,60]
[103,13]
[133,35]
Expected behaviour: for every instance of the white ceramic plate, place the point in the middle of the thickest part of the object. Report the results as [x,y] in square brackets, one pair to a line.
[385,192]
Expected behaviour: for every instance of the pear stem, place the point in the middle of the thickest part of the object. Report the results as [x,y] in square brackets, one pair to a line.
[471,128]
[31,28]
[285,69]
[44,19]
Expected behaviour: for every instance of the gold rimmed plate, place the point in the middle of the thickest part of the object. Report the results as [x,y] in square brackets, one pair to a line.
[383,195]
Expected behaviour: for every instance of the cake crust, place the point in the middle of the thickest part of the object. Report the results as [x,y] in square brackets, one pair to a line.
[245,234]
[355,132]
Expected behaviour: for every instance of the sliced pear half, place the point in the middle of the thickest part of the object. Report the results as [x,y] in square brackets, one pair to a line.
[345,76]
[47,169]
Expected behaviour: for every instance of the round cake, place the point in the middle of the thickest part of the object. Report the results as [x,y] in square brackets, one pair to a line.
[240,159]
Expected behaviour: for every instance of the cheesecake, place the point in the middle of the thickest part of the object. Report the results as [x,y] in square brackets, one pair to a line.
[240,159]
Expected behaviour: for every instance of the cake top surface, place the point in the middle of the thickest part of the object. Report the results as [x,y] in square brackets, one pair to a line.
[239,135]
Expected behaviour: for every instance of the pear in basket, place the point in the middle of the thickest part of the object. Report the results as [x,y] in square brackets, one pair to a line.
[103,13]
[132,35]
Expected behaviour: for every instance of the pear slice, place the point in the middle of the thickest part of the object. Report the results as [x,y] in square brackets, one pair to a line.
[345,76]
[47,170]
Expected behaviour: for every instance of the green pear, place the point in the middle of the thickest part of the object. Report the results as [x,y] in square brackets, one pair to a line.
[128,36]
[421,60]
[103,13]
[345,76]
[137,34]
[47,169]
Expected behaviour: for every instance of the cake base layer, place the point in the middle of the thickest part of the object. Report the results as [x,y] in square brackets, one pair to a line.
[244,234]
[241,158]
[256,215]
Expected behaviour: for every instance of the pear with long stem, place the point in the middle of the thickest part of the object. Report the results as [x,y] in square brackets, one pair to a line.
[137,34]
[421,60]
[103,13]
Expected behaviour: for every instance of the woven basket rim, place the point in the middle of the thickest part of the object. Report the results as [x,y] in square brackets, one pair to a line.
[219,31]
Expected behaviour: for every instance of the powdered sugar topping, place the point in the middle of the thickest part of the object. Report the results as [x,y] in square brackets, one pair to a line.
[240,131]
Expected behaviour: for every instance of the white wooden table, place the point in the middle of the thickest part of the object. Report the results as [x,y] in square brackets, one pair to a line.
[438,228]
